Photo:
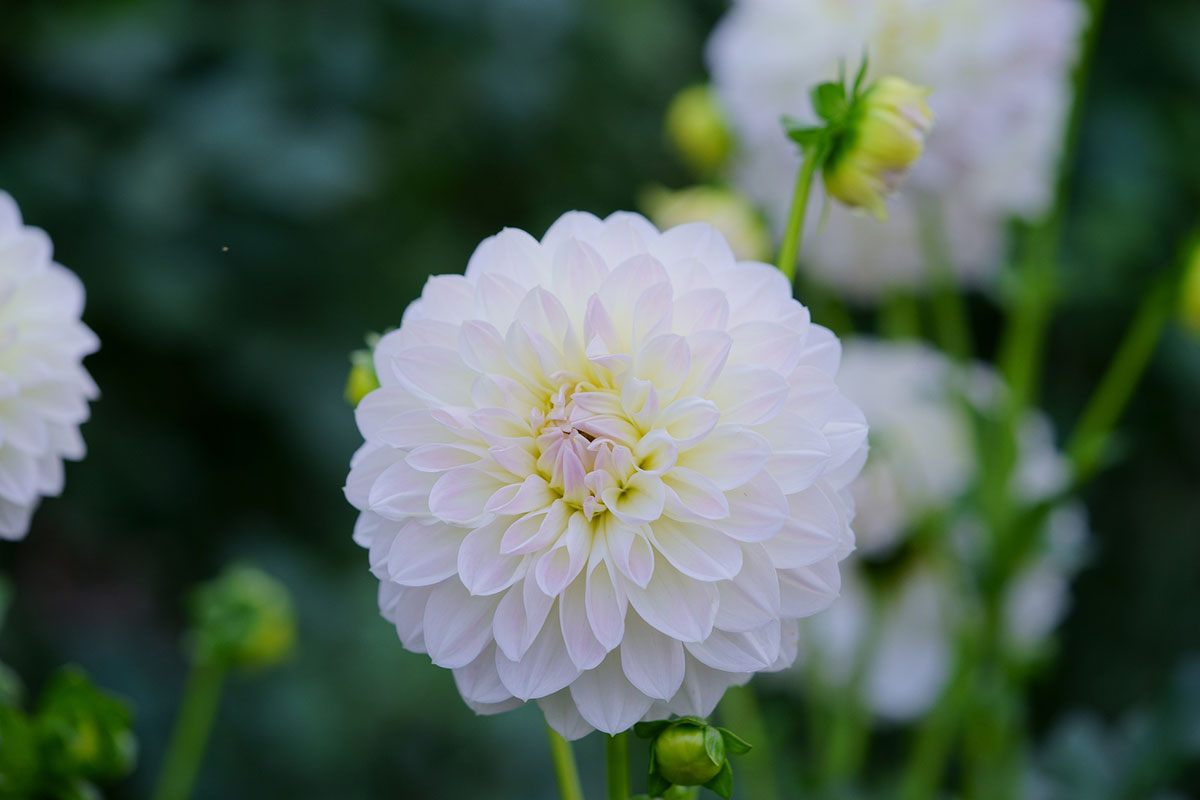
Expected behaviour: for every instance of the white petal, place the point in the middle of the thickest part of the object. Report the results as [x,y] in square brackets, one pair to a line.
[563,715]
[457,626]
[519,618]
[544,669]
[582,645]
[435,373]
[652,662]
[461,495]
[688,420]
[679,606]
[401,492]
[692,496]
[404,607]
[799,451]
[703,688]
[481,567]
[807,590]
[606,606]
[631,552]
[479,682]
[729,456]
[748,395]
[696,550]
[757,510]
[419,554]
[608,701]
[751,598]
[812,533]
[750,651]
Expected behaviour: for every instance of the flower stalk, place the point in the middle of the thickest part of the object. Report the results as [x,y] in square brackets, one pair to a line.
[616,752]
[198,709]
[565,771]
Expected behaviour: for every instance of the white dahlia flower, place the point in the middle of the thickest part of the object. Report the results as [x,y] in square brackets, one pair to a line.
[605,471]
[999,74]
[44,389]
[894,626]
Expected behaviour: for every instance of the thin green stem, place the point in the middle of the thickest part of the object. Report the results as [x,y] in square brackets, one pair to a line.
[899,317]
[935,737]
[794,233]
[950,315]
[198,707]
[740,713]
[565,771]
[1087,444]
[616,754]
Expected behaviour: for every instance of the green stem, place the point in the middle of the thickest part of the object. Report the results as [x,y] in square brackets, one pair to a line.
[198,707]
[899,317]
[565,770]
[740,713]
[793,235]
[935,737]
[616,753]
[1087,444]
[950,315]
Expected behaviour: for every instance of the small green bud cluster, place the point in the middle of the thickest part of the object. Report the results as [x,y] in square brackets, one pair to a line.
[242,619]
[869,137]
[77,737]
[687,751]
[362,379]
[698,132]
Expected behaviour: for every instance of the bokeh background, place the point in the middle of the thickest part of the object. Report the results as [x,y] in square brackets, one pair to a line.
[246,187]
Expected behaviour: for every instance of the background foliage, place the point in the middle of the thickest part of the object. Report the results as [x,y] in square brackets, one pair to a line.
[247,186]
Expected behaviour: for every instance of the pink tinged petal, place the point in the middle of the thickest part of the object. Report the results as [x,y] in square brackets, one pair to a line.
[376,412]
[479,682]
[694,240]
[441,457]
[729,456]
[500,427]
[754,291]
[703,688]
[652,313]
[366,528]
[460,495]
[655,453]
[639,400]
[515,459]
[533,494]
[757,510]
[560,565]
[812,533]
[544,669]
[599,327]
[401,492]
[420,329]
[665,361]
[697,551]
[502,392]
[766,344]
[435,373]
[457,626]
[606,427]
[710,352]
[691,496]
[591,403]
[652,662]
[749,395]
[577,274]
[807,590]
[751,599]
[751,651]
[563,715]
[529,355]
[607,700]
[519,619]
[822,350]
[624,235]
[688,420]
[406,429]
[631,552]
[574,488]
[481,566]
[481,346]
[681,607]
[486,709]
[571,225]
[639,500]
[701,310]
[789,646]
[404,607]
[846,431]
[419,554]
[799,451]
[512,253]
[369,462]
[537,530]
[606,605]
[585,650]
[811,394]
[544,315]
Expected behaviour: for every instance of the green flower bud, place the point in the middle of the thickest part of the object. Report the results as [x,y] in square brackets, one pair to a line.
[362,379]
[83,732]
[681,756]
[1190,296]
[883,136]
[243,619]
[730,213]
[697,130]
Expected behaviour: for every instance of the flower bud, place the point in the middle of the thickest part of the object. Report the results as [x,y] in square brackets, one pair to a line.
[83,732]
[884,135]
[689,752]
[243,619]
[1190,297]
[697,130]
[362,379]
[730,213]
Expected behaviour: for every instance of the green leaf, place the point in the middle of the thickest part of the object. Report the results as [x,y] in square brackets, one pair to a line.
[733,743]
[713,746]
[723,783]
[829,101]
[656,784]
[18,755]
[860,77]
[649,730]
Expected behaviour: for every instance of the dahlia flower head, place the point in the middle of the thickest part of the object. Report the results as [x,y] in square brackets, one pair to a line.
[606,471]
[44,388]
[1000,79]
[898,634]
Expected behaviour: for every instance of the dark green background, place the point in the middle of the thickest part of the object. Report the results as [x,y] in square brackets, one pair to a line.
[341,150]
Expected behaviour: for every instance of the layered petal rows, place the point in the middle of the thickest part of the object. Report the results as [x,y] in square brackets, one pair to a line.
[606,471]
[44,388]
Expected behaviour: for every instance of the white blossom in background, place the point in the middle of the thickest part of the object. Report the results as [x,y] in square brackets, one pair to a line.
[44,388]
[900,631]
[605,471]
[1000,79]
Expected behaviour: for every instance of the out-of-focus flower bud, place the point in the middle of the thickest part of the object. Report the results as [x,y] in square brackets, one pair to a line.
[83,732]
[242,619]
[1190,295]
[689,752]
[362,379]
[697,130]
[884,134]
[730,213]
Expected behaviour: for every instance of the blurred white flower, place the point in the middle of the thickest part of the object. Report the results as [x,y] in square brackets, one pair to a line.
[605,471]
[44,389]
[733,215]
[999,74]
[897,632]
